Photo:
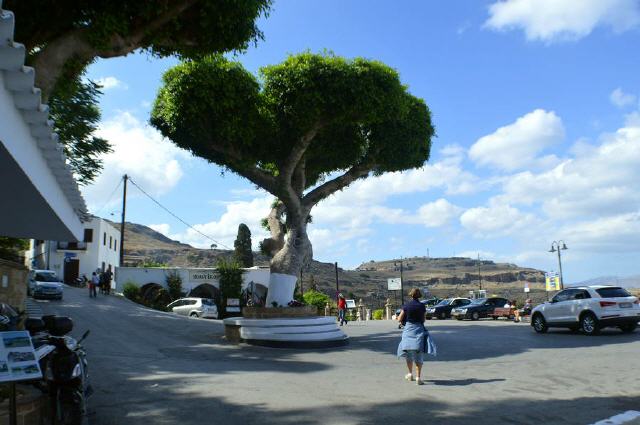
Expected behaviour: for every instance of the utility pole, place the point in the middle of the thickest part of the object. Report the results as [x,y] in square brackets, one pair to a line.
[124,210]
[401,284]
[479,275]
[337,284]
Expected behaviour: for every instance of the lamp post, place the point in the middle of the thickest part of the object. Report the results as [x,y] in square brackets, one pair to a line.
[559,246]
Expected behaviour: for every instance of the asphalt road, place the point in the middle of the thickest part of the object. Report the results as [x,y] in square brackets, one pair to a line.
[149,367]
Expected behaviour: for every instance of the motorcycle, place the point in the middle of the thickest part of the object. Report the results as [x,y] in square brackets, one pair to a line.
[63,361]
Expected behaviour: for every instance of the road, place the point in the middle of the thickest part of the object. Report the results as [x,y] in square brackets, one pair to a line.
[150,367]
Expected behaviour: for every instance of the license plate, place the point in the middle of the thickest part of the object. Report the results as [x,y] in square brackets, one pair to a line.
[625,305]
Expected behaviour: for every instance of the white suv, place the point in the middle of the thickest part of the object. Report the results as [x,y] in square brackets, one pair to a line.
[589,308]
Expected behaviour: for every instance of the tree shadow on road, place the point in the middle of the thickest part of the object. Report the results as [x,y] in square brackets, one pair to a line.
[462,382]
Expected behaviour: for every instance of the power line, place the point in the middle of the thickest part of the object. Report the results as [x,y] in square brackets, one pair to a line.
[110,197]
[175,216]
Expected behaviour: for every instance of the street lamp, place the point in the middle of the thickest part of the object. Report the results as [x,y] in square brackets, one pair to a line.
[556,246]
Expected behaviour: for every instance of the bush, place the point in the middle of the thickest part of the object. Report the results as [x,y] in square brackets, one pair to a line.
[378,314]
[317,299]
[174,283]
[131,291]
[230,276]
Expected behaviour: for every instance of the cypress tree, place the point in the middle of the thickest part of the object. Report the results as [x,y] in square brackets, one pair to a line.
[242,246]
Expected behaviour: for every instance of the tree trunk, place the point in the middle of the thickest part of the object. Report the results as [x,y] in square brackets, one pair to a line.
[288,261]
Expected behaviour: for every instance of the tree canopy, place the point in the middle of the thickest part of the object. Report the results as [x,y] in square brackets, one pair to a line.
[242,246]
[301,130]
[304,119]
[66,35]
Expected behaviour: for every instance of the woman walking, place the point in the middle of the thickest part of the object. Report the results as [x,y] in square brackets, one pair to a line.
[415,337]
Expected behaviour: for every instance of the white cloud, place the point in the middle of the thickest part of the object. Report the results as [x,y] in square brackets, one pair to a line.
[437,213]
[517,145]
[109,83]
[622,99]
[496,221]
[617,233]
[558,20]
[160,228]
[139,151]
[599,181]
[225,229]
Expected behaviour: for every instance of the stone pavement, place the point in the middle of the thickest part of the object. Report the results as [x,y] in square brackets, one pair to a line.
[150,367]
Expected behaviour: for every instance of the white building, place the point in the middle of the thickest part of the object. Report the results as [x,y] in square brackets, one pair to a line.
[99,250]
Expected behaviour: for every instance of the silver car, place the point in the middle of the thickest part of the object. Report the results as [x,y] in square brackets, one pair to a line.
[194,307]
[45,284]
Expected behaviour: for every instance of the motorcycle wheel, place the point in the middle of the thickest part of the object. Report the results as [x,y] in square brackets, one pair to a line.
[72,408]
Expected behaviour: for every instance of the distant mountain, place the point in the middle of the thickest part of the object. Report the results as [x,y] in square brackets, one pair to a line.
[627,282]
[443,276]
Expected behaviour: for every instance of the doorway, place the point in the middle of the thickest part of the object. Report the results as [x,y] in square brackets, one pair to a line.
[71,270]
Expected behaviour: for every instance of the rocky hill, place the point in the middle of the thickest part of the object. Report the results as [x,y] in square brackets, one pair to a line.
[443,276]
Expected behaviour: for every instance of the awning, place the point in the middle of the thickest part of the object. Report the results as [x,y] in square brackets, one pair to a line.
[39,198]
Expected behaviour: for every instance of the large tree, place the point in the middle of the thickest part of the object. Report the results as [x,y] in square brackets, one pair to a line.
[63,36]
[307,128]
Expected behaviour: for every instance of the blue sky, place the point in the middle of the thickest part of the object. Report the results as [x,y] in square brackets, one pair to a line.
[536,108]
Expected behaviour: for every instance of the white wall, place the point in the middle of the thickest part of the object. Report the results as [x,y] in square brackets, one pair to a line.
[141,276]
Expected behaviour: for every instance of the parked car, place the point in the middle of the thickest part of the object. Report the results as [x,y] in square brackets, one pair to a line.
[45,284]
[589,308]
[442,310]
[478,308]
[430,302]
[195,307]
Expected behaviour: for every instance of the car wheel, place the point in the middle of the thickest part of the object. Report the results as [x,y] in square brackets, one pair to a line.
[443,315]
[475,316]
[589,324]
[458,318]
[194,314]
[539,324]
[428,317]
[629,327]
[494,317]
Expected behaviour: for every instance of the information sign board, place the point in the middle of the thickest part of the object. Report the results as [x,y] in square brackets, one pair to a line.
[351,303]
[552,281]
[394,284]
[18,361]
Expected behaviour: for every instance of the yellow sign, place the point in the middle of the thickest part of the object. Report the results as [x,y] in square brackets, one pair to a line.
[553,282]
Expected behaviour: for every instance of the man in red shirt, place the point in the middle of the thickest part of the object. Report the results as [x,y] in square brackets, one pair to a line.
[342,309]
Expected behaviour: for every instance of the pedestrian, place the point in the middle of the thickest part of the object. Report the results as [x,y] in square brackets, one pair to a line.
[415,340]
[107,280]
[342,309]
[95,281]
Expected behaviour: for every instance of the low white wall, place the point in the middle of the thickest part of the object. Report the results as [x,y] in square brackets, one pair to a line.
[191,278]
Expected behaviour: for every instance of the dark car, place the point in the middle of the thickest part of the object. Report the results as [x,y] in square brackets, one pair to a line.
[443,309]
[479,308]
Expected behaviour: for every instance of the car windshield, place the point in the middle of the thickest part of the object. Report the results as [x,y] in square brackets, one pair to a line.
[46,277]
[479,301]
[207,301]
[613,292]
[444,302]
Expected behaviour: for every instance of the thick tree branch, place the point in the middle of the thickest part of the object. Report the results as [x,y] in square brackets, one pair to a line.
[253,174]
[299,179]
[297,152]
[51,60]
[339,183]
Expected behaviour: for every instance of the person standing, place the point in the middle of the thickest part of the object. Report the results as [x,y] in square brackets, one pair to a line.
[342,309]
[95,281]
[107,281]
[415,340]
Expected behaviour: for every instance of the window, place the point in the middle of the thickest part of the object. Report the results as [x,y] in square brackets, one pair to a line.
[581,294]
[563,296]
[115,245]
[88,235]
[104,239]
[192,302]
[110,241]
[103,266]
[613,292]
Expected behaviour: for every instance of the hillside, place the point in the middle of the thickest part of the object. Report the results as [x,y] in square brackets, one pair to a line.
[443,276]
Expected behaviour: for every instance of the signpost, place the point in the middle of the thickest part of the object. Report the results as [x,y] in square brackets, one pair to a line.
[394,284]
[526,287]
[18,362]
[552,281]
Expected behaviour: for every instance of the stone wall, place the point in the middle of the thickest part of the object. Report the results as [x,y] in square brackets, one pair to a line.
[32,407]
[13,283]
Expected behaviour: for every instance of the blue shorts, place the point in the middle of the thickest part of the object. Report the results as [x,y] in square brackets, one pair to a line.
[415,356]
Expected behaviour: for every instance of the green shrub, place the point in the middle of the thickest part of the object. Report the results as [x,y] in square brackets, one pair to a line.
[378,314]
[317,299]
[229,274]
[174,283]
[131,291]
